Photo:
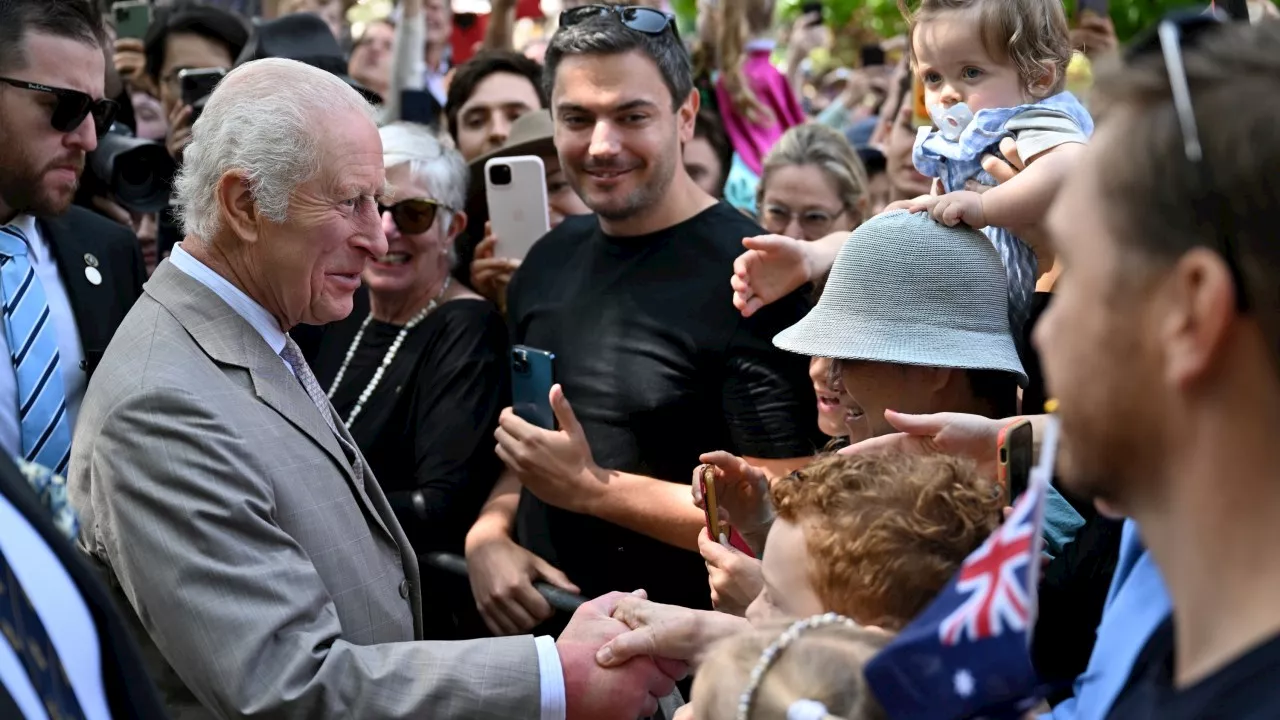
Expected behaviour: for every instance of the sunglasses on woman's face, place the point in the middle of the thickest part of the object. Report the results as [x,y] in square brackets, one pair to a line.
[412,216]
[641,19]
[72,107]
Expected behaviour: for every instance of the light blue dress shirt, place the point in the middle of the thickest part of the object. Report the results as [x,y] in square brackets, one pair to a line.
[550,672]
[1136,605]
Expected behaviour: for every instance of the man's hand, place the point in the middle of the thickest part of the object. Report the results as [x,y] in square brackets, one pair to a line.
[742,492]
[555,465]
[773,267]
[666,631]
[592,692]
[967,436]
[735,578]
[490,275]
[502,575]
[179,131]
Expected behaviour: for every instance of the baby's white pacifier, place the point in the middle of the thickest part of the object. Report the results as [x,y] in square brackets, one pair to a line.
[951,121]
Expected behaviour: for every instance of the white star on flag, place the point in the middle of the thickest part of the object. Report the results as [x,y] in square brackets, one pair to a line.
[964,683]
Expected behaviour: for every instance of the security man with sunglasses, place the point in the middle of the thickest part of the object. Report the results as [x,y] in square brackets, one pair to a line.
[67,276]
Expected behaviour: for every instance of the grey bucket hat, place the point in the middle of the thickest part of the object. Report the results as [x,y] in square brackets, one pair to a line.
[907,290]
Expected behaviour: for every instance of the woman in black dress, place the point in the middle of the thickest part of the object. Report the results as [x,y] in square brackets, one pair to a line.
[419,370]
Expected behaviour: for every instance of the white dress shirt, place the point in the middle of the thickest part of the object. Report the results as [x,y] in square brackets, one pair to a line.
[64,614]
[70,351]
[550,672]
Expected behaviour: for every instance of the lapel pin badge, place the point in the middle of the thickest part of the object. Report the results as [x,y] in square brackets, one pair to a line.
[91,272]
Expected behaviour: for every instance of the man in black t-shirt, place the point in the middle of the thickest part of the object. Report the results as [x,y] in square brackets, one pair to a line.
[1161,345]
[635,303]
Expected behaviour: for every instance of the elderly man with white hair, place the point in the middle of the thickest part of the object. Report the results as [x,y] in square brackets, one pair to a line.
[221,491]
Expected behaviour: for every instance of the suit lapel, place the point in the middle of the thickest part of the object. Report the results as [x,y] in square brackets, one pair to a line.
[88,301]
[230,339]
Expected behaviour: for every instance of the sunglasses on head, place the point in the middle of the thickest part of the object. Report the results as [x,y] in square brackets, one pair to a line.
[412,216]
[641,19]
[72,107]
[1177,31]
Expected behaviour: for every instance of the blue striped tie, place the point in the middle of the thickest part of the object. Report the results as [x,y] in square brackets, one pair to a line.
[33,347]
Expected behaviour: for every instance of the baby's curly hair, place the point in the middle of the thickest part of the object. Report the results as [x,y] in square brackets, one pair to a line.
[886,532]
[1032,33]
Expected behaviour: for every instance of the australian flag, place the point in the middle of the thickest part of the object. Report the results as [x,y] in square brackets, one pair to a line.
[967,655]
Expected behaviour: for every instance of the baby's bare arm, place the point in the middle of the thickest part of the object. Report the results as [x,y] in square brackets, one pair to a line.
[1019,205]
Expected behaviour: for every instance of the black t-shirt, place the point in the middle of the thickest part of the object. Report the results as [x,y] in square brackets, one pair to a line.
[659,367]
[427,429]
[1247,689]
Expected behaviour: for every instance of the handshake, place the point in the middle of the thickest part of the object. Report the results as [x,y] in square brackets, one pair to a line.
[624,690]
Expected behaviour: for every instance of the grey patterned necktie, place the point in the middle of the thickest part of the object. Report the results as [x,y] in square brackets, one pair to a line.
[292,354]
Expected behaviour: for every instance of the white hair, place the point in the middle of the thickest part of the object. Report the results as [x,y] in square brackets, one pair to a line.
[432,164]
[263,119]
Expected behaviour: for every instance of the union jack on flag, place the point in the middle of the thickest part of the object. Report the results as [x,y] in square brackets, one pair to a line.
[1002,590]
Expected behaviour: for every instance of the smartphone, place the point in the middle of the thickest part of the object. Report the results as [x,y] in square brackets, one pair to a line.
[532,375]
[711,510]
[1016,450]
[516,190]
[1101,8]
[132,18]
[197,83]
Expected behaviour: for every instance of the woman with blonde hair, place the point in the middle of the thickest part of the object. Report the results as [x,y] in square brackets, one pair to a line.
[812,184]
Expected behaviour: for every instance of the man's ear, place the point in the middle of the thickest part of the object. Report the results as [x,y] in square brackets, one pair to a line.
[236,206]
[687,115]
[1198,311]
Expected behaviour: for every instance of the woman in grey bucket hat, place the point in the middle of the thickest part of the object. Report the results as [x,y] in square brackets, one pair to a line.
[909,291]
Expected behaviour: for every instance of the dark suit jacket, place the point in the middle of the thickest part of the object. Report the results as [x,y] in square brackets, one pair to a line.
[73,237]
[124,678]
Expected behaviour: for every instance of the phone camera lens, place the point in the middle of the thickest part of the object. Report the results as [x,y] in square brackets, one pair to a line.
[500,174]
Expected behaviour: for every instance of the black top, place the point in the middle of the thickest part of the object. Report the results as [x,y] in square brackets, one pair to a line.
[659,367]
[1247,689]
[427,429]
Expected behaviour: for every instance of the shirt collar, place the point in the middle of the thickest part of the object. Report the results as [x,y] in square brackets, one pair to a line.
[245,306]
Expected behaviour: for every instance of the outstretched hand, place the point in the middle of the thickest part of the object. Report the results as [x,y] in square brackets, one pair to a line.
[967,436]
[773,267]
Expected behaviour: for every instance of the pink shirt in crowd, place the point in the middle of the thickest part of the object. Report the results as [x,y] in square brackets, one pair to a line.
[751,141]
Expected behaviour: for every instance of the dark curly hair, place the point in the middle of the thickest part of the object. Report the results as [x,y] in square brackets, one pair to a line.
[886,532]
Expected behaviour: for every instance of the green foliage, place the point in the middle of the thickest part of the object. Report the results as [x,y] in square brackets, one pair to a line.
[884,19]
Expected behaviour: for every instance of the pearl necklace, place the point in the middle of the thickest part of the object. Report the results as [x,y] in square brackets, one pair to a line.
[386,359]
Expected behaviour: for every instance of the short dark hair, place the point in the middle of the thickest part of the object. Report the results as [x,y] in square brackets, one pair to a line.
[207,21]
[1160,204]
[606,35]
[474,71]
[77,20]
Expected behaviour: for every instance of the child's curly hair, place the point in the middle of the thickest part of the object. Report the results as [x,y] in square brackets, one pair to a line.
[886,532]
[1032,33]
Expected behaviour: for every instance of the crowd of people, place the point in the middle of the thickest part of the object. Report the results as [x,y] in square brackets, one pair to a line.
[808,330]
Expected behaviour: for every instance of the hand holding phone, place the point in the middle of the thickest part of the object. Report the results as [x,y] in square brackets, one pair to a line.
[516,191]
[1016,450]
[721,532]
[532,376]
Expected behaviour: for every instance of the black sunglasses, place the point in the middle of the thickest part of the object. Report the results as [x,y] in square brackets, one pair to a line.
[641,19]
[73,107]
[1175,32]
[413,216]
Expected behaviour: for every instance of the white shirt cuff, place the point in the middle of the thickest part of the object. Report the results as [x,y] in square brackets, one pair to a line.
[551,679]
